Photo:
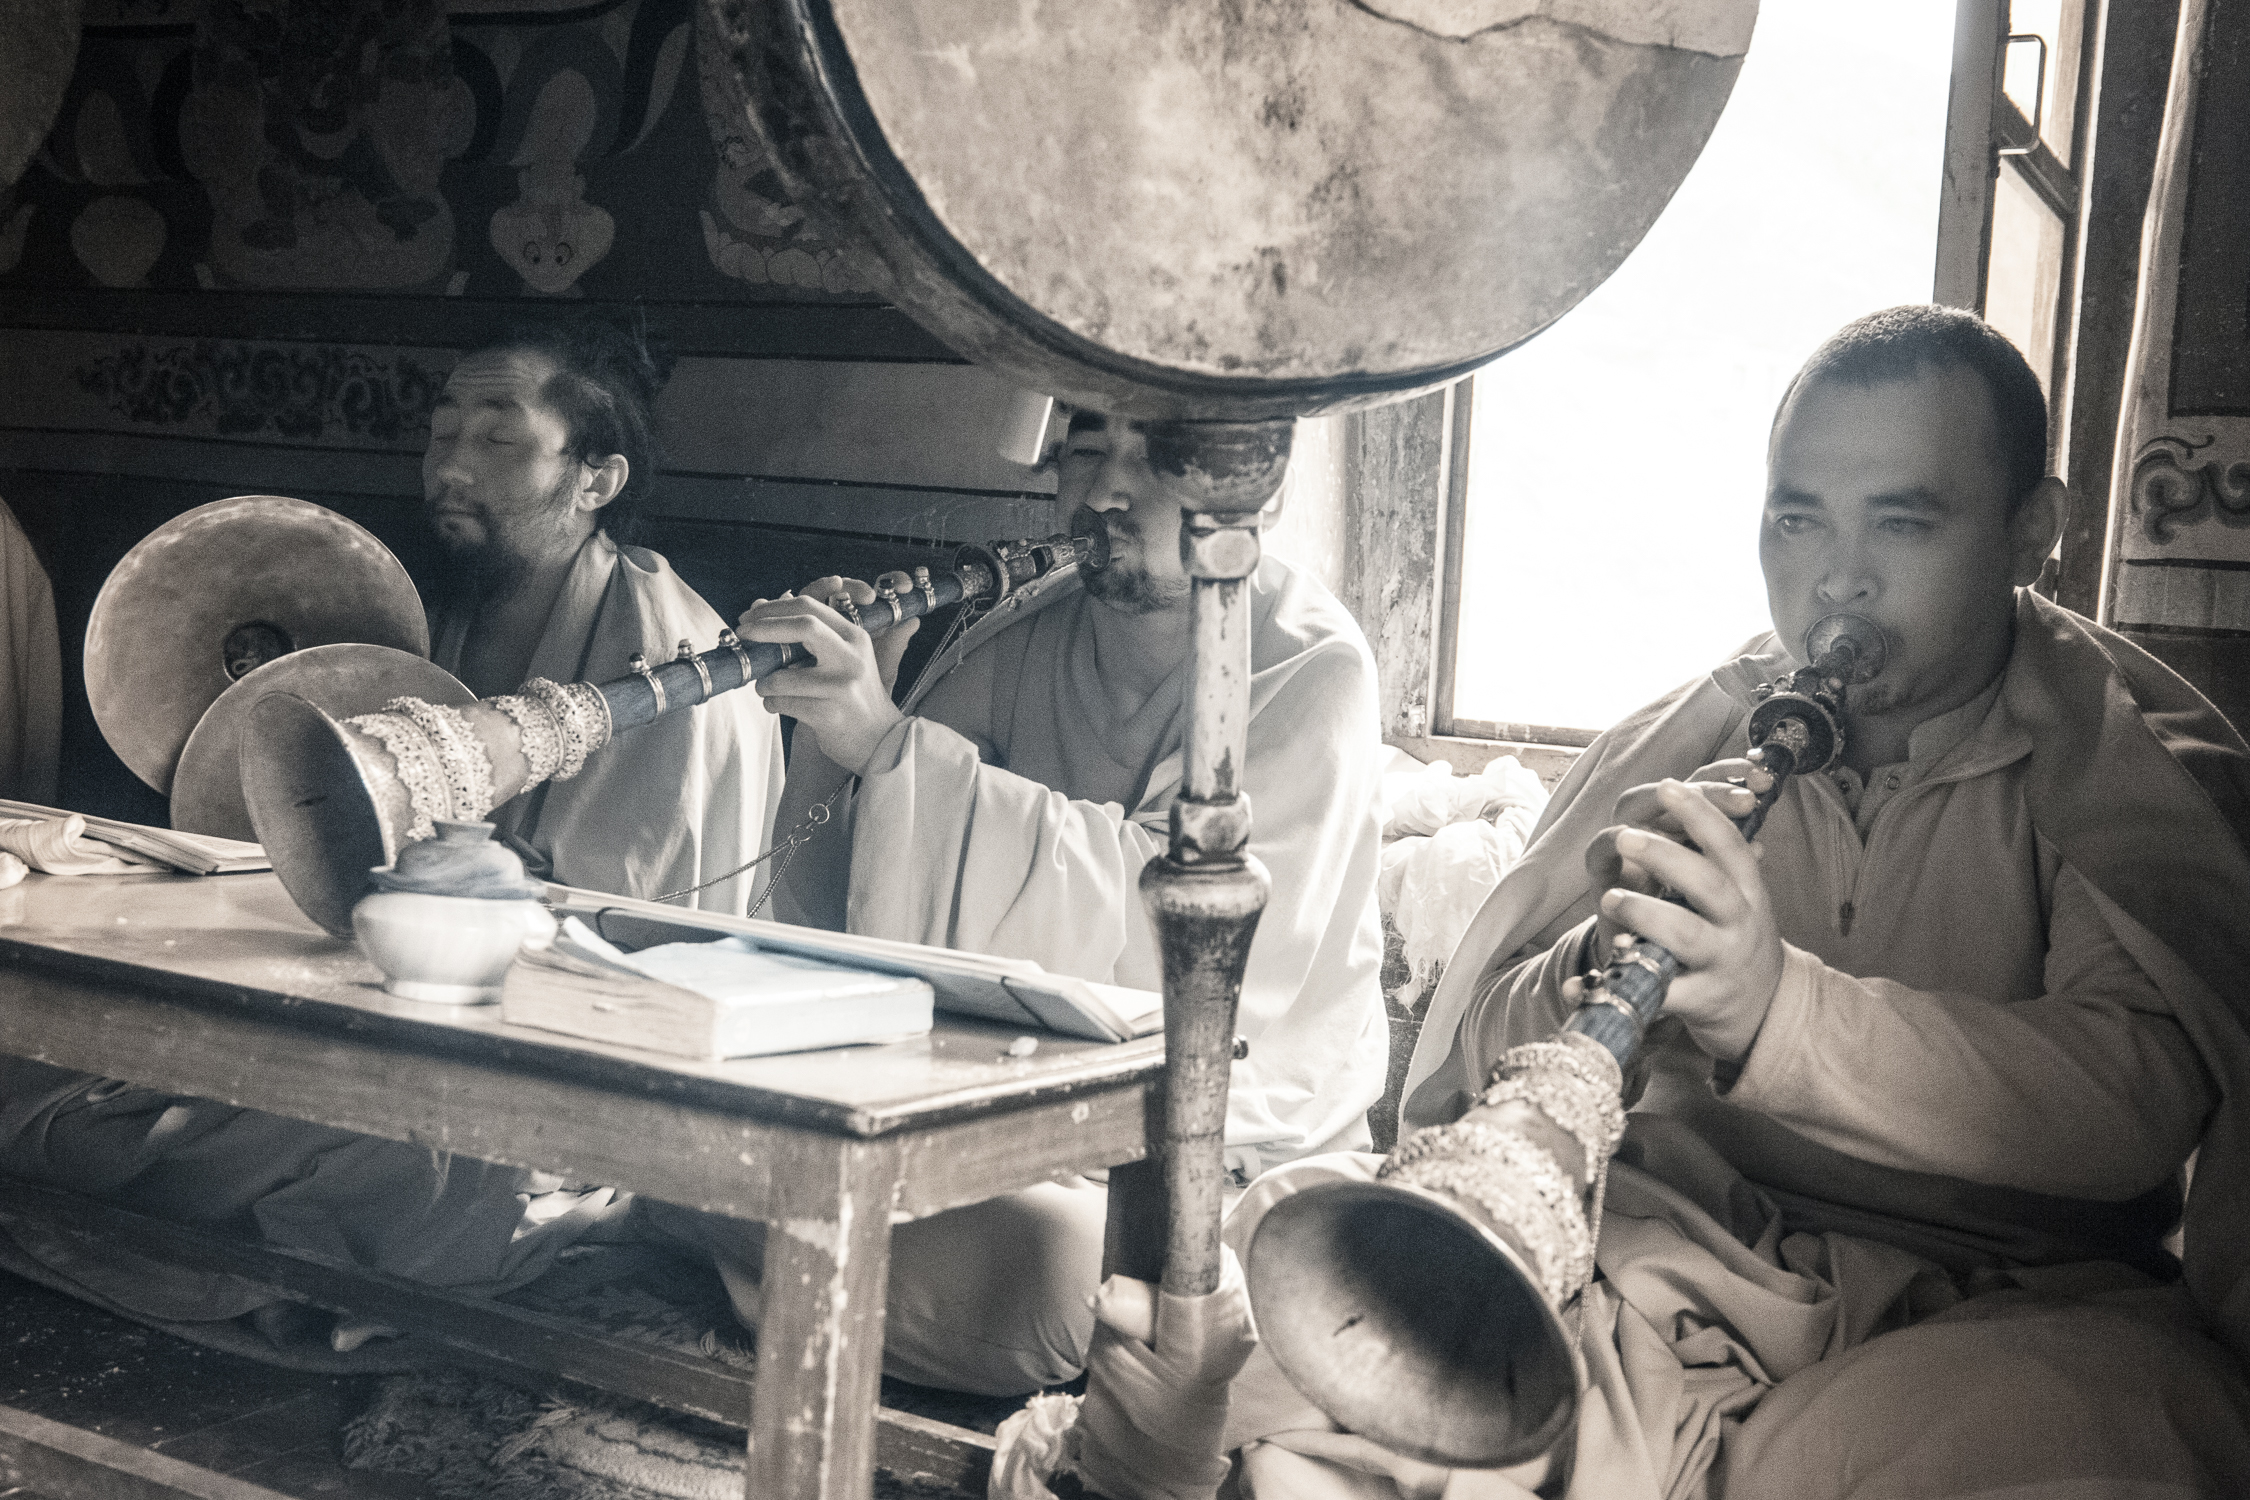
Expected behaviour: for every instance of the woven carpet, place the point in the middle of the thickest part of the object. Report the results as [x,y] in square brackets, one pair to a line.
[470,1437]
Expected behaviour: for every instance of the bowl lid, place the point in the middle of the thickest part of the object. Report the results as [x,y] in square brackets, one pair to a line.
[463,860]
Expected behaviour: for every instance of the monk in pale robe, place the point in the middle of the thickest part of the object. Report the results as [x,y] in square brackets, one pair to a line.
[1009,809]
[535,445]
[30,671]
[1894,1212]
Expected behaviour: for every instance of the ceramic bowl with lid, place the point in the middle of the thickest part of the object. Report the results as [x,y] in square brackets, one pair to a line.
[446,921]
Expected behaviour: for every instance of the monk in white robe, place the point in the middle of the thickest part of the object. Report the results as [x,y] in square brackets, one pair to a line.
[30,671]
[1891,1214]
[535,443]
[1010,808]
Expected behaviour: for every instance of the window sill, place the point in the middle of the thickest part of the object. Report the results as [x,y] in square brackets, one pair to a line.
[1468,756]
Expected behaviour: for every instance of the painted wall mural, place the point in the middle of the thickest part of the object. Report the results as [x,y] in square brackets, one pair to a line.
[2181,536]
[488,148]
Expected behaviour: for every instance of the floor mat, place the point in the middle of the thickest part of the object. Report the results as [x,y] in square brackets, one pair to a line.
[475,1438]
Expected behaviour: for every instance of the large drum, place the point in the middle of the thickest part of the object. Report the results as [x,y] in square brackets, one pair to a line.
[1238,211]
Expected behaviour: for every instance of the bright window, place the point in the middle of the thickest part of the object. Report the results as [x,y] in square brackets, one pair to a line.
[1616,462]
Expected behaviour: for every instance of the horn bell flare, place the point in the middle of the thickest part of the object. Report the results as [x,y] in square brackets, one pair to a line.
[1412,1324]
[312,809]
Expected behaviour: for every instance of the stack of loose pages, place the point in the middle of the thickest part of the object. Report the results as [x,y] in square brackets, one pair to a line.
[56,842]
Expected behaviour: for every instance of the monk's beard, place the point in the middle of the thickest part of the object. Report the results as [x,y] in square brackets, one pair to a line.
[1123,585]
[469,573]
[468,576]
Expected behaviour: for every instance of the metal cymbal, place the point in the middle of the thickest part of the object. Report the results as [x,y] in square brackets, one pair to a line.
[210,596]
[38,47]
[343,681]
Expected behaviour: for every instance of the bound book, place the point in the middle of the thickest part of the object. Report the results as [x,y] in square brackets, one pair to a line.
[1010,991]
[730,998]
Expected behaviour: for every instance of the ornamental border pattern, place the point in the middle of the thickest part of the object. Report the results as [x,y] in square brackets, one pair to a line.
[241,389]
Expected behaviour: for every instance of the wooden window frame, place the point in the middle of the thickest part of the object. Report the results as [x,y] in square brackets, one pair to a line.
[2115,96]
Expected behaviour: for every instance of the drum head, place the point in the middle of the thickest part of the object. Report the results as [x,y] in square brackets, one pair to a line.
[342,681]
[209,596]
[1239,212]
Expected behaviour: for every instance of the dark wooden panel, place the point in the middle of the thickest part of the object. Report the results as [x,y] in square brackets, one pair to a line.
[45,1455]
[1396,484]
[872,331]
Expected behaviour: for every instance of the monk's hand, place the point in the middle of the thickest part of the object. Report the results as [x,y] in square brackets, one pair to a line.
[890,640]
[1726,939]
[840,696]
[1643,807]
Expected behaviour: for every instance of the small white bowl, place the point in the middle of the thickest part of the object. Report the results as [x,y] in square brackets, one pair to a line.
[453,950]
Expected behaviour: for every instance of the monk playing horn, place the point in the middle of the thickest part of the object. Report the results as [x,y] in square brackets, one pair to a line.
[1895,1210]
[1009,807]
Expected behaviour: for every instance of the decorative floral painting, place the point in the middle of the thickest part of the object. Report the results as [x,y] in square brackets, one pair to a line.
[487,148]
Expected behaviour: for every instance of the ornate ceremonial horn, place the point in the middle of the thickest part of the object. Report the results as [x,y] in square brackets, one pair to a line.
[1423,1309]
[333,798]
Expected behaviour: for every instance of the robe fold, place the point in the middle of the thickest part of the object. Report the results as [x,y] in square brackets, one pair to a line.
[1012,811]
[665,806]
[1913,1248]
[30,671]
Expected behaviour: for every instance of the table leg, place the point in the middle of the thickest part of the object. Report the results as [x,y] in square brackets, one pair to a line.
[1139,1217]
[820,1335]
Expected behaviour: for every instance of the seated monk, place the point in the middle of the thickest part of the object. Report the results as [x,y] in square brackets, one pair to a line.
[1009,809]
[539,446]
[542,451]
[1891,1215]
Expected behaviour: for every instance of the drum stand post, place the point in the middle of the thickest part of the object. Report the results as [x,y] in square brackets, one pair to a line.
[1205,894]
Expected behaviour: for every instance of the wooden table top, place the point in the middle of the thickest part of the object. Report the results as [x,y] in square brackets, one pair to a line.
[237,942]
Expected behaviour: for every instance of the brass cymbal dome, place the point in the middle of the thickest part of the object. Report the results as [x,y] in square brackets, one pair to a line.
[212,595]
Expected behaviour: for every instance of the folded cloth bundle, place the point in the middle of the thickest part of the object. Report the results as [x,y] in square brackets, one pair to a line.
[62,846]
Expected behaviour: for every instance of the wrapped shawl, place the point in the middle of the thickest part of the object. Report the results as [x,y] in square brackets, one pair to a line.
[2139,782]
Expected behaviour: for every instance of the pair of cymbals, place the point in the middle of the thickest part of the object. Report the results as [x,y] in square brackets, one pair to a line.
[234,600]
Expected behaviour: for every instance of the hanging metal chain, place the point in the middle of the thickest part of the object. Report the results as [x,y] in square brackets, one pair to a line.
[798,837]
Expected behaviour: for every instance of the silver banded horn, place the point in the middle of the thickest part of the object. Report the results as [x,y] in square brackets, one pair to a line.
[1423,1310]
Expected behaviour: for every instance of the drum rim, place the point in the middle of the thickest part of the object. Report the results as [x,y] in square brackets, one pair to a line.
[950,292]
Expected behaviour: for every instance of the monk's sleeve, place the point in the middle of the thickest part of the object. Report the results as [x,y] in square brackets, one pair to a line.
[1523,1002]
[949,851]
[2091,1090]
[1312,1003]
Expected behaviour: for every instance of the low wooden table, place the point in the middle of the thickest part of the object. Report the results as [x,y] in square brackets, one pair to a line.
[219,988]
